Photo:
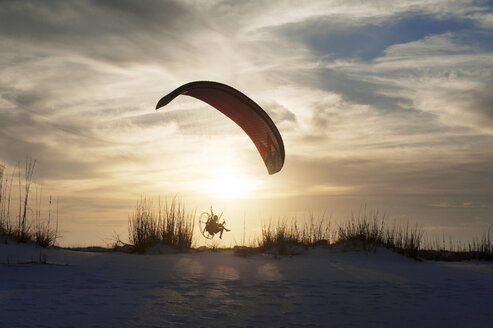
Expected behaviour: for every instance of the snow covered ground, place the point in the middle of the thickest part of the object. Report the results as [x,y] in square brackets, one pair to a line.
[325,287]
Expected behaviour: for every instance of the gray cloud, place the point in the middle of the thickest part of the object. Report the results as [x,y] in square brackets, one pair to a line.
[21,136]
[279,113]
[119,33]
[373,176]
[357,89]
[479,101]
[195,121]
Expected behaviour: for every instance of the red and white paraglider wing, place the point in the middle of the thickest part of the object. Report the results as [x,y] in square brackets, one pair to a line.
[244,112]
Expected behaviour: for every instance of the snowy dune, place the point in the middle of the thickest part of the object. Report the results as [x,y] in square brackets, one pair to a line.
[325,287]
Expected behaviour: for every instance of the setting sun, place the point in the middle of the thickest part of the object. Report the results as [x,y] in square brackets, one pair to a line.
[227,185]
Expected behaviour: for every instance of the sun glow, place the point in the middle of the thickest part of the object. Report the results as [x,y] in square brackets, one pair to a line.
[227,185]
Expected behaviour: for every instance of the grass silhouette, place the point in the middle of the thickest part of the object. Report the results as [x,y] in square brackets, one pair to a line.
[170,225]
[30,224]
[367,231]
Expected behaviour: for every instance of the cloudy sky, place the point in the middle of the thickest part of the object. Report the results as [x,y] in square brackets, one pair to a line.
[383,103]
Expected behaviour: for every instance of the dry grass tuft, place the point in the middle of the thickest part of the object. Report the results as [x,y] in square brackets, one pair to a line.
[369,230]
[42,232]
[286,236]
[169,225]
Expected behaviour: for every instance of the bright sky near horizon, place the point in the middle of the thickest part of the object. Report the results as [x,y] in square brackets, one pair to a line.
[383,103]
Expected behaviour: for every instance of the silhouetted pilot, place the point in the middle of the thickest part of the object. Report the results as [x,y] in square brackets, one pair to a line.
[213,227]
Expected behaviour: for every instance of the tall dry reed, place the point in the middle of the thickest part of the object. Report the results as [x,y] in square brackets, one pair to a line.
[171,225]
[41,230]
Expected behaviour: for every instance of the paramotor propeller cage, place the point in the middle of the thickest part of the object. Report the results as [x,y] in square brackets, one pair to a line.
[204,220]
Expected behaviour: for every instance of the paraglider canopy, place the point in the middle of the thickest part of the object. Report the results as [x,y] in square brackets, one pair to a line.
[243,111]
